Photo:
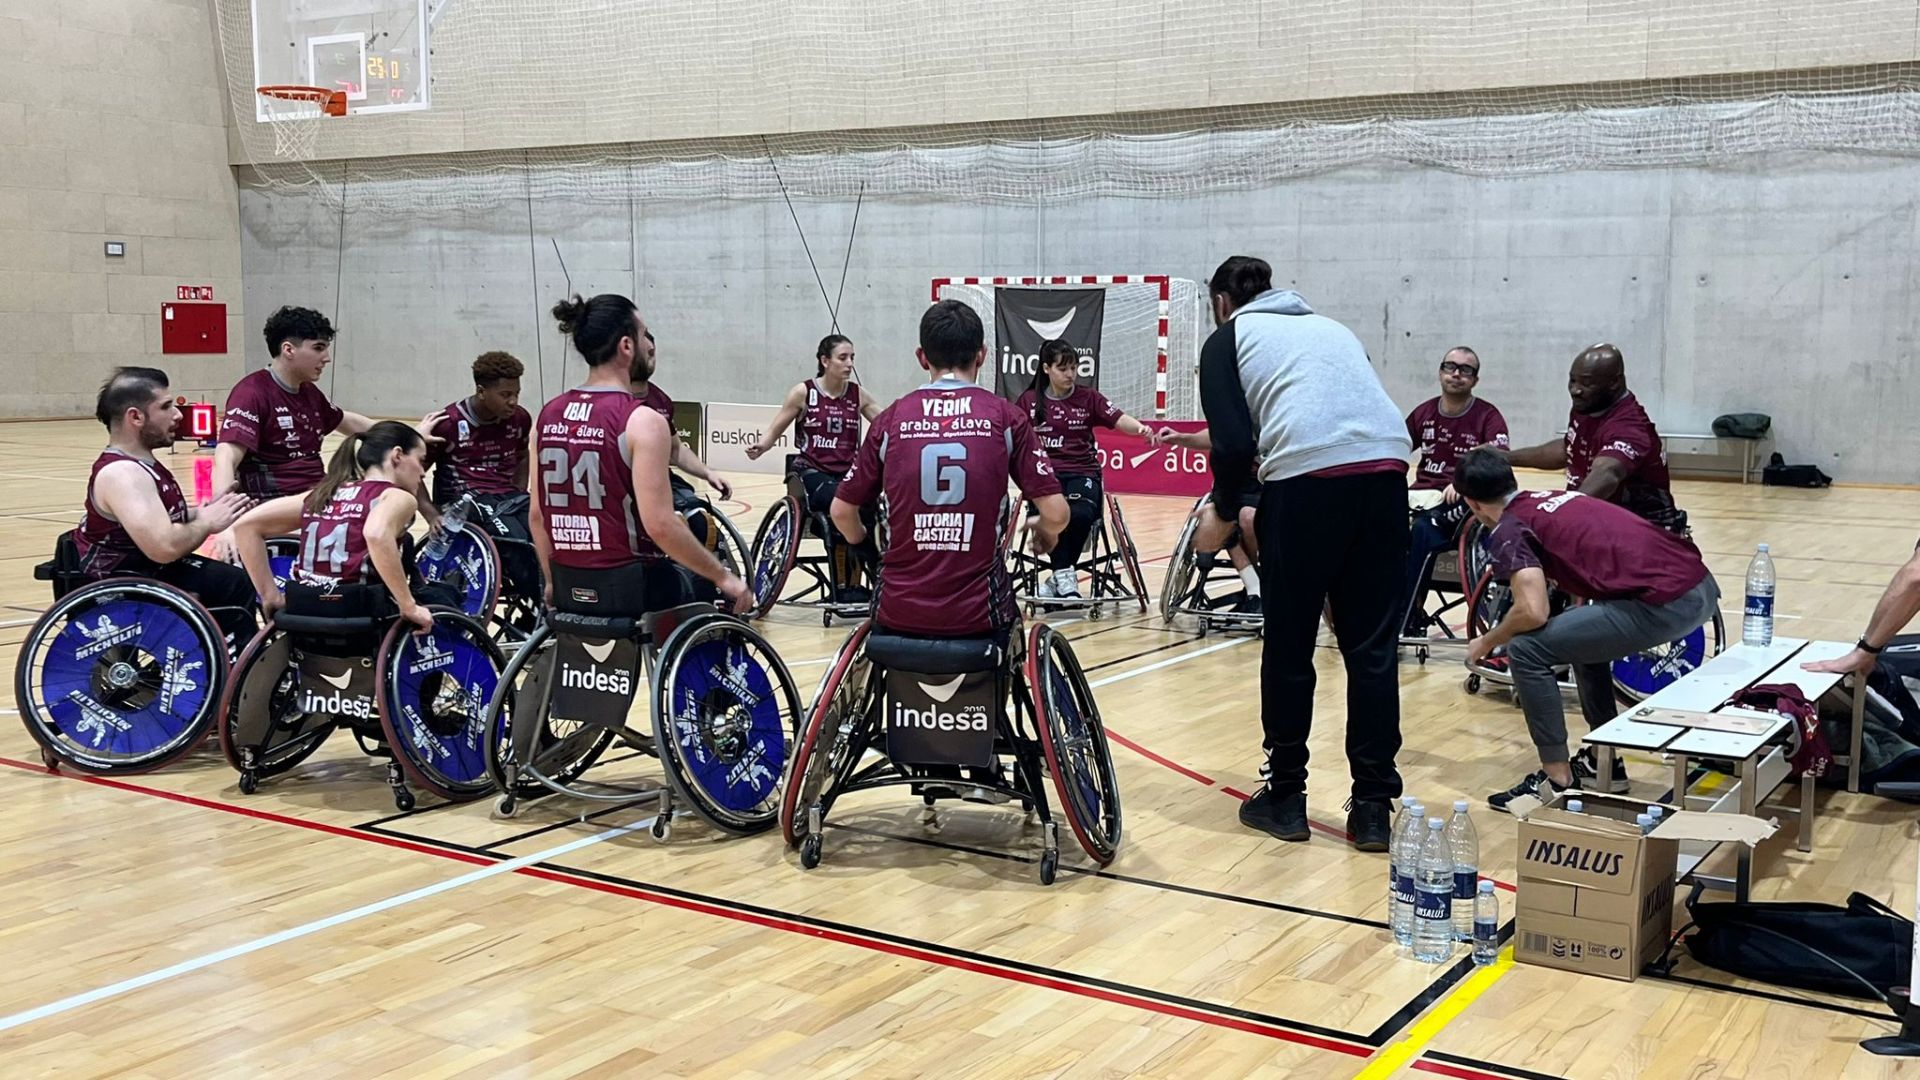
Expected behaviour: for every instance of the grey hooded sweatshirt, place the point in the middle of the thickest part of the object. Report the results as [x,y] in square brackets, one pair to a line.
[1294,391]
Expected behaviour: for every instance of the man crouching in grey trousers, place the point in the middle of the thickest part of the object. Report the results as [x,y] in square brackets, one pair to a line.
[1648,587]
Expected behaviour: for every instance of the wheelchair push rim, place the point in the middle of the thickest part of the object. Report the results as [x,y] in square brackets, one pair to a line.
[121,676]
[433,690]
[1122,541]
[1177,590]
[725,712]
[262,701]
[1075,743]
[559,756]
[815,769]
[775,546]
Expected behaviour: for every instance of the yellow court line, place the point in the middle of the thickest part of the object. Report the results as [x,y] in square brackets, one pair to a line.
[1389,1060]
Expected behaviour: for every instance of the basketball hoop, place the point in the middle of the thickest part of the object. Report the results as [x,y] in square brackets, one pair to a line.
[295,112]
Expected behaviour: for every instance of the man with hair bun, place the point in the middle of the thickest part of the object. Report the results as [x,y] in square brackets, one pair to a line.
[1296,392]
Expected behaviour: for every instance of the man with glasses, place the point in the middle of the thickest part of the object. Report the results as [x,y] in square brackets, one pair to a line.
[1444,428]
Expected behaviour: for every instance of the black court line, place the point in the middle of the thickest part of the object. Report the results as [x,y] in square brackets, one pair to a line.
[1425,999]
[373,826]
[1489,1066]
[1139,622]
[1177,1000]
[1133,656]
[1786,999]
[1061,974]
[1190,890]
[1387,1030]
[580,819]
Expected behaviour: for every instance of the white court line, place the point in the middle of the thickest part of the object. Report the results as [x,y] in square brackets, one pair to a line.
[184,967]
[1181,659]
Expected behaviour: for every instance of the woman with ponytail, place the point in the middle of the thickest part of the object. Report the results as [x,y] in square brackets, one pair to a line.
[604,524]
[829,408]
[349,526]
[1064,415]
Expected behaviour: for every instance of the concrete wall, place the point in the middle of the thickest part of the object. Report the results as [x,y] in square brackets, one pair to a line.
[1787,289]
[112,127]
[510,75]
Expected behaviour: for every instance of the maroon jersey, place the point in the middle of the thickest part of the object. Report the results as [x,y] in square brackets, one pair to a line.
[584,480]
[1442,439]
[829,428]
[103,543]
[281,431]
[478,457]
[1065,427]
[1593,549]
[333,541]
[1623,432]
[943,454]
[657,400]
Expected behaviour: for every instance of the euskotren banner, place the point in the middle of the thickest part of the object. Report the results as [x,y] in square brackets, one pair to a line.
[1025,318]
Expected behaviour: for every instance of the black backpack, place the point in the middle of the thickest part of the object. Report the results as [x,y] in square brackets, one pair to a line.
[1780,474]
[1862,950]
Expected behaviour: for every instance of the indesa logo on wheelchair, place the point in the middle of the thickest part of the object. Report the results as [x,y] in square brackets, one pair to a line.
[591,677]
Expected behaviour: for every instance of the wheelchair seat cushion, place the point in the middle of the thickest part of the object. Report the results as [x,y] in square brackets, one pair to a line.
[325,625]
[934,656]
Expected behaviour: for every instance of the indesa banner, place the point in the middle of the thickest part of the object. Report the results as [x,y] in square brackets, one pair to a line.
[1129,466]
[1025,318]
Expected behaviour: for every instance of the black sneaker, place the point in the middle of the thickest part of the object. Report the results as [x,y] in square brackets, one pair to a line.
[1247,605]
[1536,785]
[1369,823]
[1586,771]
[1284,817]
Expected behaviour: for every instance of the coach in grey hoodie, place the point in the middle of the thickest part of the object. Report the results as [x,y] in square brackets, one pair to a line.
[1296,392]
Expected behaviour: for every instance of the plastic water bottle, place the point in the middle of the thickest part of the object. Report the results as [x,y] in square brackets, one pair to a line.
[1486,925]
[1433,897]
[1404,856]
[1758,628]
[1575,806]
[1645,822]
[1464,840]
[452,521]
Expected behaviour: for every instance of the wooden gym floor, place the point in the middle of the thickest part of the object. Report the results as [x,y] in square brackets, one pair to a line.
[166,926]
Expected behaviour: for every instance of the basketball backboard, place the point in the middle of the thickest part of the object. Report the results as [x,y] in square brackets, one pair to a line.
[375,51]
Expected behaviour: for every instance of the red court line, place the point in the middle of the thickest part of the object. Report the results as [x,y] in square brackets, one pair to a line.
[718,911]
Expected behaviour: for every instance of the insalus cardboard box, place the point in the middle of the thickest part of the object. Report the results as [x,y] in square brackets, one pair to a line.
[1595,896]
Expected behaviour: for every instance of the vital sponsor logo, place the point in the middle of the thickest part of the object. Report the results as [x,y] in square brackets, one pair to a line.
[1575,857]
[96,719]
[104,635]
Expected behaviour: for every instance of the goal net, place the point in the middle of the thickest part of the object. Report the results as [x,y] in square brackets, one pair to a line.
[1143,371]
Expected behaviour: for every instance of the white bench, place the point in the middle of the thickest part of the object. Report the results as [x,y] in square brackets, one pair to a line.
[1682,446]
[1761,756]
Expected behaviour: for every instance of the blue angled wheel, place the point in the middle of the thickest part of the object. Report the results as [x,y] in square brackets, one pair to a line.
[1075,743]
[122,675]
[1647,673]
[470,566]
[725,712]
[775,546]
[434,690]
[282,553]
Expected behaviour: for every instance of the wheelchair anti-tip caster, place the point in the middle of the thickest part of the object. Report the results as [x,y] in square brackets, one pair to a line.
[249,783]
[662,827]
[810,851]
[1472,684]
[506,806]
[50,759]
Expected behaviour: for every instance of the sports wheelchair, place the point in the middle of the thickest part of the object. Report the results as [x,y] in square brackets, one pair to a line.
[1204,584]
[121,675]
[722,709]
[930,708]
[1438,594]
[468,559]
[417,700]
[776,554]
[1109,562]
[1635,677]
